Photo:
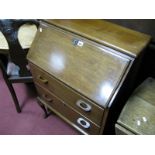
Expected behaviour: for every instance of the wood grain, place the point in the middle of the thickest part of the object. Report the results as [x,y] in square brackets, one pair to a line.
[112,35]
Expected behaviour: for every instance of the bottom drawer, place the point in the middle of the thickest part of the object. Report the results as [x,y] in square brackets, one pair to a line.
[65,112]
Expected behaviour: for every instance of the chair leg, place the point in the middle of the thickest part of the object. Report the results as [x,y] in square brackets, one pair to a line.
[10,87]
[13,94]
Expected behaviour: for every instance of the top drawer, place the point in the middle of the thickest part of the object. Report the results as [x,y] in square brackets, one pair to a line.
[89,68]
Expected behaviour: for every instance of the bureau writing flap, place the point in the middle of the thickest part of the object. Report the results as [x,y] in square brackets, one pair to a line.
[87,67]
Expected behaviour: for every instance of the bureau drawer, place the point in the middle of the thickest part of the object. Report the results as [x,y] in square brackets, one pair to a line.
[75,100]
[67,113]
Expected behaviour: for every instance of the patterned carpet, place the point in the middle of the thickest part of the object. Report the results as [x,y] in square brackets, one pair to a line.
[30,121]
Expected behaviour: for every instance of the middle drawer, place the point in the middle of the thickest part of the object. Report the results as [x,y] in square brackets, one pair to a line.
[75,100]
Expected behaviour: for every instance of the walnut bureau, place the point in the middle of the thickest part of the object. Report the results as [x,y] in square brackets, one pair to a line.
[79,67]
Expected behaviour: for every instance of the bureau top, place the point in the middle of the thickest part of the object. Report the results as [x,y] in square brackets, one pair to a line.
[126,40]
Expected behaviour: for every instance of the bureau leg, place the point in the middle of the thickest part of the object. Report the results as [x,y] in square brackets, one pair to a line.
[44,108]
[49,112]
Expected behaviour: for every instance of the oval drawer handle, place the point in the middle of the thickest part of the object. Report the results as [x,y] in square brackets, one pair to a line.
[83,123]
[42,79]
[83,105]
[47,98]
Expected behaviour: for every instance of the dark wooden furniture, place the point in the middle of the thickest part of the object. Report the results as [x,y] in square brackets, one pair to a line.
[16,51]
[138,115]
[81,68]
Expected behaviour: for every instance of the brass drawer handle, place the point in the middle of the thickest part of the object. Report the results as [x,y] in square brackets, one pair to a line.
[83,123]
[42,79]
[83,105]
[47,98]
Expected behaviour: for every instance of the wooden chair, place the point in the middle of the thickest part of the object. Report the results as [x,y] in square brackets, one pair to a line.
[15,42]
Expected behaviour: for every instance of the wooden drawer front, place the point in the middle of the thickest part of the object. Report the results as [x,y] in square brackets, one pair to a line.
[63,110]
[82,105]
